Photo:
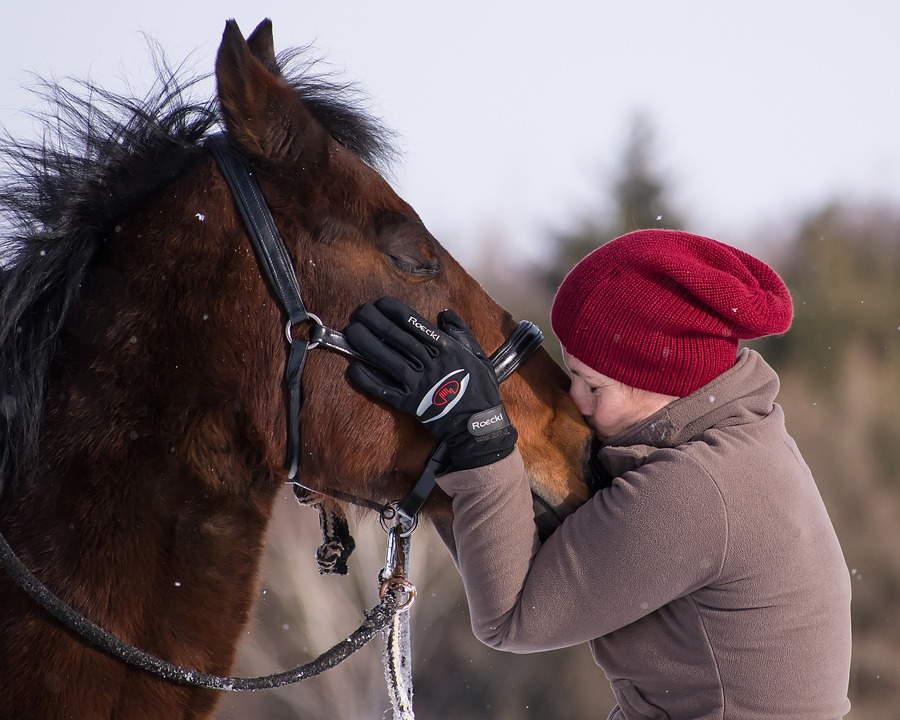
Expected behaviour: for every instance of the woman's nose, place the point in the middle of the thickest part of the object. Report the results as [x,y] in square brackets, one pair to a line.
[578,397]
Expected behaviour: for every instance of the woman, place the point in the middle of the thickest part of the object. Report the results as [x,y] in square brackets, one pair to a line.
[707,576]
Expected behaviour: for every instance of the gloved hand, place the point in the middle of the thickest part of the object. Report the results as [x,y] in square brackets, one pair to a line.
[440,375]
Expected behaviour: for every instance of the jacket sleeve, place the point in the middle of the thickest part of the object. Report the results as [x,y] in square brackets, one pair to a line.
[658,533]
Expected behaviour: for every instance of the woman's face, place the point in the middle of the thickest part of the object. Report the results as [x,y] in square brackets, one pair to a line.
[608,406]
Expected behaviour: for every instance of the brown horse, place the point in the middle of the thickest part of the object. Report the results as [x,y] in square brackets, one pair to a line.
[142,415]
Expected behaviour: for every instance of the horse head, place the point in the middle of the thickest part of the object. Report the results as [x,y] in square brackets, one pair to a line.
[353,239]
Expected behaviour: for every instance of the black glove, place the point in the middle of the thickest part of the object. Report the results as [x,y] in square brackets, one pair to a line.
[440,375]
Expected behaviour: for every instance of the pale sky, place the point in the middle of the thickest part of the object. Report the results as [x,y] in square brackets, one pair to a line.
[512,115]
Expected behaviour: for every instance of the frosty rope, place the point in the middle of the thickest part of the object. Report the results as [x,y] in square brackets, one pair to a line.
[396,649]
[397,654]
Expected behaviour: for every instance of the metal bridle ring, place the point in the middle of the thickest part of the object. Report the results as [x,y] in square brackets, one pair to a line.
[392,513]
[289,328]
[387,514]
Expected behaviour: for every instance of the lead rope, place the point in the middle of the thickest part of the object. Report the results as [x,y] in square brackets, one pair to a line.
[392,597]
[396,649]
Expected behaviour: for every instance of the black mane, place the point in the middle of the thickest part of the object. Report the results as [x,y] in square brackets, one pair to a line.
[100,154]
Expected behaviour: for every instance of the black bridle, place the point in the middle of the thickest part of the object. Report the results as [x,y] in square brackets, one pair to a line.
[278,270]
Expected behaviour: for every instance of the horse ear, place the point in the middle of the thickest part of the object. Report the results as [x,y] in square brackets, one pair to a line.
[262,112]
[262,44]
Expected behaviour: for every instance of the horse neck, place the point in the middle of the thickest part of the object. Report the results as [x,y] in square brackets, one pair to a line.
[159,470]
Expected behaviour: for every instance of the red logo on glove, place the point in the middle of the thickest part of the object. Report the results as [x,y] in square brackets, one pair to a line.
[445,393]
[443,396]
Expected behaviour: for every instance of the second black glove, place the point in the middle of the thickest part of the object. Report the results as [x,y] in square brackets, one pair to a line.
[439,374]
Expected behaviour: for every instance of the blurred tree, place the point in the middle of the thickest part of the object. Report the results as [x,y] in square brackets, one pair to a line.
[841,267]
[639,197]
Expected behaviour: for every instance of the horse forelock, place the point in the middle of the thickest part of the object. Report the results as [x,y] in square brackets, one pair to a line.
[100,154]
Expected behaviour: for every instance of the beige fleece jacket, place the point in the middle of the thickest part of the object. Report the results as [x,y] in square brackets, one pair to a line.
[708,578]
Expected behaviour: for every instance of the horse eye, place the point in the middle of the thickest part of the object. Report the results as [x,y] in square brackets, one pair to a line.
[413,266]
[407,244]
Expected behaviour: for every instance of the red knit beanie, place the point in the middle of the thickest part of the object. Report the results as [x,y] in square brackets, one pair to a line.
[663,310]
